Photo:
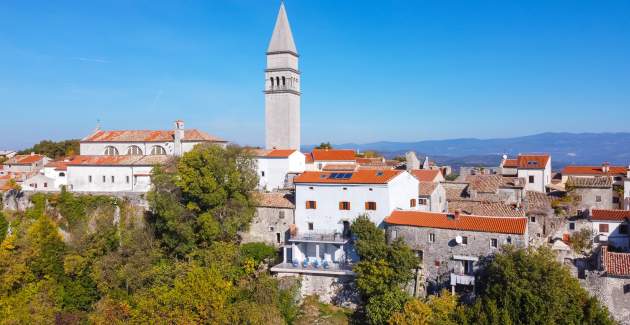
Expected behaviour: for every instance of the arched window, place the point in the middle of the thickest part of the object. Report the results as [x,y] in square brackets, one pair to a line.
[134,151]
[284,81]
[271,81]
[278,81]
[158,150]
[111,151]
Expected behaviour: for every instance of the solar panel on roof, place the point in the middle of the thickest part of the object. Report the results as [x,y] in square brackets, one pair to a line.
[333,175]
[347,175]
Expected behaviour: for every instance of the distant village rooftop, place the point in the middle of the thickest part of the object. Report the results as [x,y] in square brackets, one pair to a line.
[148,136]
[611,215]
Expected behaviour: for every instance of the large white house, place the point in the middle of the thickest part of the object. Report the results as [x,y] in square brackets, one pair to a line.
[326,203]
[276,167]
[534,168]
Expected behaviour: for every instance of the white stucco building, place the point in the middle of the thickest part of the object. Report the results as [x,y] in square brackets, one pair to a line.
[611,227]
[277,167]
[534,168]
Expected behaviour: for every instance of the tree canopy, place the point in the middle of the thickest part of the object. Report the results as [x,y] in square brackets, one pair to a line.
[54,149]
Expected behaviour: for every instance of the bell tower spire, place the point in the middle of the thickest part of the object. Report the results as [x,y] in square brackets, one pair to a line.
[282,88]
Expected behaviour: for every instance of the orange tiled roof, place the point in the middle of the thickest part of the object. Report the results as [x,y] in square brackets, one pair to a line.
[484,208]
[357,177]
[503,225]
[275,200]
[616,264]
[532,161]
[510,163]
[371,161]
[425,175]
[59,165]
[24,159]
[603,214]
[277,153]
[340,167]
[594,170]
[333,155]
[117,160]
[427,188]
[148,136]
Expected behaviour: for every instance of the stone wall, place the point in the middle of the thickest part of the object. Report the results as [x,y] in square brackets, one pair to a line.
[437,256]
[333,289]
[267,224]
[588,198]
[612,292]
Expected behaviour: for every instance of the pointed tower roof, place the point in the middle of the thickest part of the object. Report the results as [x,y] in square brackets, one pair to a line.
[282,38]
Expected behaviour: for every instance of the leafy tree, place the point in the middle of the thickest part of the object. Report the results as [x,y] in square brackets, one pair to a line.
[531,287]
[383,270]
[582,240]
[440,309]
[324,145]
[258,252]
[4,226]
[54,149]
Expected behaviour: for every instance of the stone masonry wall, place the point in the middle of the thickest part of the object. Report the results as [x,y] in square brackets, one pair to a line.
[267,224]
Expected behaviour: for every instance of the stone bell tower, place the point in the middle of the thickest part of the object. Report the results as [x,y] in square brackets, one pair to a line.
[282,88]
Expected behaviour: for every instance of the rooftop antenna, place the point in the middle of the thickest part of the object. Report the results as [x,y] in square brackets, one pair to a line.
[98,125]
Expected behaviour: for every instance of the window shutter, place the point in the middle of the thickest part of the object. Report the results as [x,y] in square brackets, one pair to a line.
[340,205]
[367,205]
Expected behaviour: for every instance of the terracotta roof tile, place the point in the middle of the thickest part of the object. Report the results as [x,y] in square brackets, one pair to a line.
[532,161]
[333,155]
[537,202]
[483,208]
[594,170]
[616,264]
[510,163]
[484,183]
[148,136]
[356,177]
[504,225]
[275,200]
[24,159]
[340,167]
[427,188]
[276,153]
[425,175]
[616,215]
[590,182]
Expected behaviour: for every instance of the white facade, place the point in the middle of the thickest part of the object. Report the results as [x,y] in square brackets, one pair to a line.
[59,177]
[273,171]
[39,182]
[327,217]
[282,88]
[613,236]
[435,202]
[536,179]
[115,178]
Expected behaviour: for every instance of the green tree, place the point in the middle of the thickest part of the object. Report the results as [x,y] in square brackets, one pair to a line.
[54,149]
[582,240]
[437,309]
[324,145]
[4,226]
[531,287]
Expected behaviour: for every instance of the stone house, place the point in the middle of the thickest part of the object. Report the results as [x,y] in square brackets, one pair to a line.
[275,213]
[591,192]
[534,168]
[432,197]
[451,245]
[495,188]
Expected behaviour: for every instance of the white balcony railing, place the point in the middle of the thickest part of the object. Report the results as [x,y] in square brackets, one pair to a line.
[463,279]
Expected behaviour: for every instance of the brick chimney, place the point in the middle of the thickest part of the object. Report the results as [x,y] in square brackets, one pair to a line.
[178,137]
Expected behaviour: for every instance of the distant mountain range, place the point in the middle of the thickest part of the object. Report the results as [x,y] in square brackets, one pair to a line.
[565,148]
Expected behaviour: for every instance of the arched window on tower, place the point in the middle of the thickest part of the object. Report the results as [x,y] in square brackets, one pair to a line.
[284,81]
[277,81]
[158,150]
[111,151]
[271,81]
[134,151]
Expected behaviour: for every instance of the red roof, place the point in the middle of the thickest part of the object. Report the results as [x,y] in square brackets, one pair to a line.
[148,136]
[594,170]
[510,163]
[616,215]
[532,161]
[503,225]
[60,165]
[615,263]
[425,175]
[24,159]
[277,153]
[333,155]
[365,176]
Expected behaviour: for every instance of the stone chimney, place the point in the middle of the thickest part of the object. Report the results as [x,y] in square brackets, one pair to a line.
[412,161]
[425,163]
[605,167]
[178,138]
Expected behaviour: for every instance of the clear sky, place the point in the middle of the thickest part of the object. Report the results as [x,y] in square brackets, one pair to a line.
[371,70]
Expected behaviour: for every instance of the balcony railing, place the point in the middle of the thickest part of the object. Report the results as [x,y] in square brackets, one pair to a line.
[464,279]
[319,237]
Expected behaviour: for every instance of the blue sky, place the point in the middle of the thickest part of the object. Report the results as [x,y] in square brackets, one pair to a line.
[371,70]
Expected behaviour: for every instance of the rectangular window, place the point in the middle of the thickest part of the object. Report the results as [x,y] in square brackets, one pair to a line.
[45,184]
[262,173]
[278,237]
[311,204]
[598,198]
[281,214]
[431,238]
[113,179]
[533,219]
[104,179]
[127,179]
[90,179]
[393,234]
[531,179]
[623,229]
[412,203]
[311,226]
[370,205]
[494,242]
[422,201]
[571,225]
[344,205]
[603,227]
[616,200]
[464,240]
